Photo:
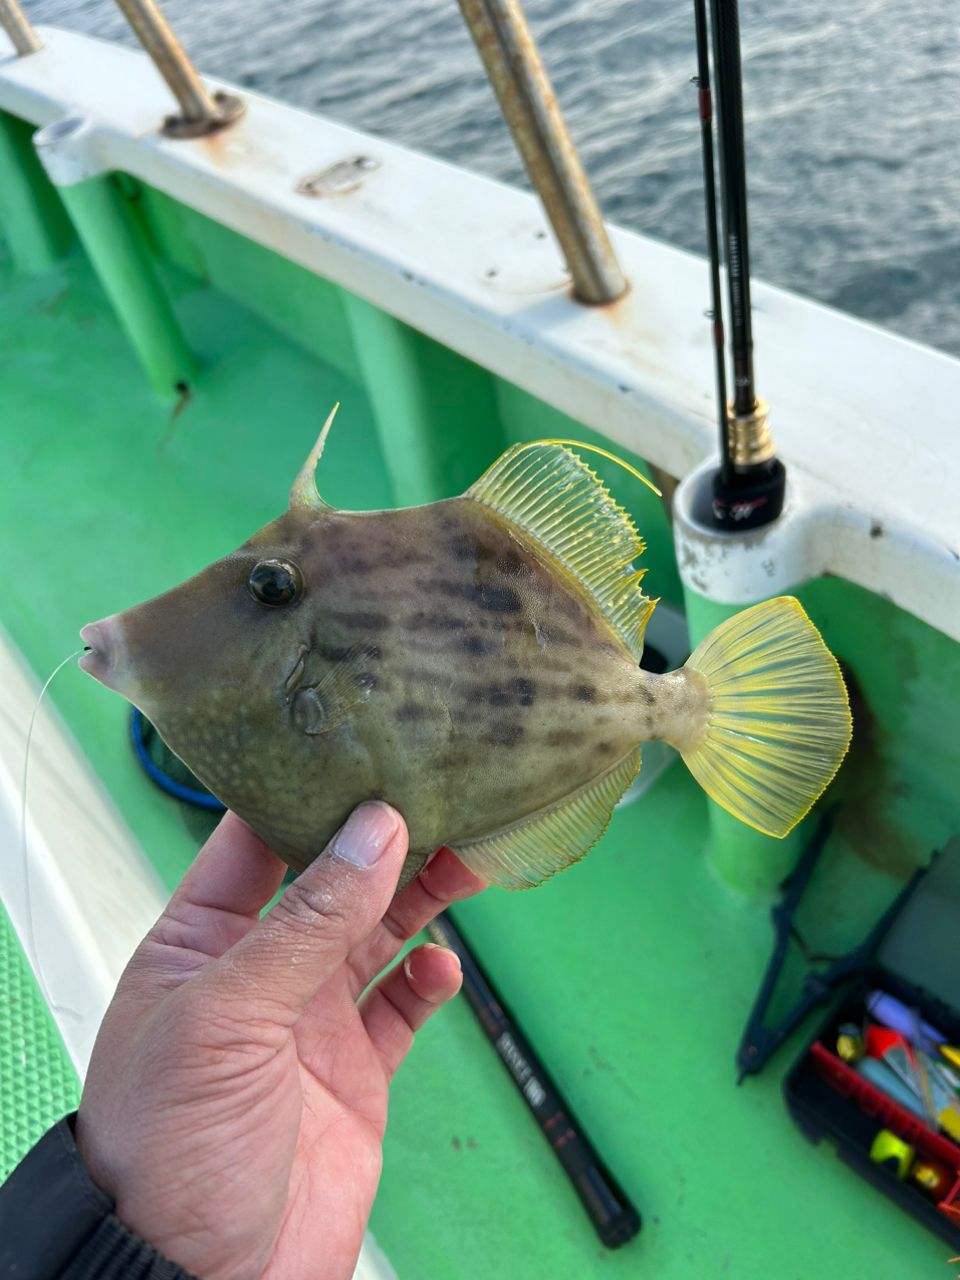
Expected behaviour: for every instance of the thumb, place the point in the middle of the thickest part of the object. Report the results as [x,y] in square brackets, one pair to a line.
[330,908]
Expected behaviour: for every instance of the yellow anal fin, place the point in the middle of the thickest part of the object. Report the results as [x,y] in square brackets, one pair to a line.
[779,722]
[557,499]
[528,852]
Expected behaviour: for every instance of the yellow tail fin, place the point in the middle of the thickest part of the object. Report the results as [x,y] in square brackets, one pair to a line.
[779,720]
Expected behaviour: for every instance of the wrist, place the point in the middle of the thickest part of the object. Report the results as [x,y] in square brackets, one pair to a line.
[112,1184]
[55,1220]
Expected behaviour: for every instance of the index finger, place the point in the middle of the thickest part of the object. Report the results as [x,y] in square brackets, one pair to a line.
[234,871]
[229,882]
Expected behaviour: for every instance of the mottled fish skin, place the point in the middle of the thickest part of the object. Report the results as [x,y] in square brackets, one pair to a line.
[438,659]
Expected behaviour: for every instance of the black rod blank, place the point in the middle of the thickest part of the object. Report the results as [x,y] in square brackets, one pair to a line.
[705,103]
[725,22]
[749,486]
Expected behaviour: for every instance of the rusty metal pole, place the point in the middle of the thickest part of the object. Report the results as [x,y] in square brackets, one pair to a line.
[201,111]
[530,107]
[15,24]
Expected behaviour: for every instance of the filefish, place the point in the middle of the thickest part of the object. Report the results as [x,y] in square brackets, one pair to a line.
[475,662]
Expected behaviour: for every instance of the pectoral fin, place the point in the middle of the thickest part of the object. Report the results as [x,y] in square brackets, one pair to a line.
[526,853]
[324,706]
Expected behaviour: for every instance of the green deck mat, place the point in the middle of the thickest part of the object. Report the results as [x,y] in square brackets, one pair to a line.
[38,1084]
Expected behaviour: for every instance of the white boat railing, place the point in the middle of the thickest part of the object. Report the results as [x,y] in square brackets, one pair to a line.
[527,100]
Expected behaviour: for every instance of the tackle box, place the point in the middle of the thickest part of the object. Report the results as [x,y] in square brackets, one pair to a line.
[918,963]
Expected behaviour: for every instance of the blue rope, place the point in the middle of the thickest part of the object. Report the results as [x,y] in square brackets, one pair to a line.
[188,795]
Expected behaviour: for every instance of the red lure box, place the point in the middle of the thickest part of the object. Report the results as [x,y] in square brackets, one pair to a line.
[919,964]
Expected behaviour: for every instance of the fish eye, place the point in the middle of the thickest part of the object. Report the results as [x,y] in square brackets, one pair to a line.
[275,582]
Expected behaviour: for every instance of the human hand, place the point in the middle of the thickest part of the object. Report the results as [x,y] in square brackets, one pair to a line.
[236,1099]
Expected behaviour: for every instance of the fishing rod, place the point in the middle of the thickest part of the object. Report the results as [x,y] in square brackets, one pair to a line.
[613,1216]
[748,488]
[705,103]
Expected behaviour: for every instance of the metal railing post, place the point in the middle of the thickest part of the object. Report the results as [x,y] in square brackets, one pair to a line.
[15,24]
[530,107]
[201,111]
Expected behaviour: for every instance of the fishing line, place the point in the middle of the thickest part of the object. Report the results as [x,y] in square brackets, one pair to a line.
[604,453]
[32,952]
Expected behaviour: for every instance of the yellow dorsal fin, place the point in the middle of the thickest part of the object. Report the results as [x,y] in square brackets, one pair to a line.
[526,853]
[557,499]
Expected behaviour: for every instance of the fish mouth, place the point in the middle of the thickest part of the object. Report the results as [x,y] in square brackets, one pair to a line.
[106,655]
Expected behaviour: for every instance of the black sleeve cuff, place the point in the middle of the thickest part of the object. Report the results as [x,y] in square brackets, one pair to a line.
[56,1223]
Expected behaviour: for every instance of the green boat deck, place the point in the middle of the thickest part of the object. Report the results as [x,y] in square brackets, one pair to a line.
[633,972]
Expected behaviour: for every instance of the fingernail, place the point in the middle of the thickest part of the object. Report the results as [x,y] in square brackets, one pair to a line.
[410,960]
[365,834]
[408,968]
